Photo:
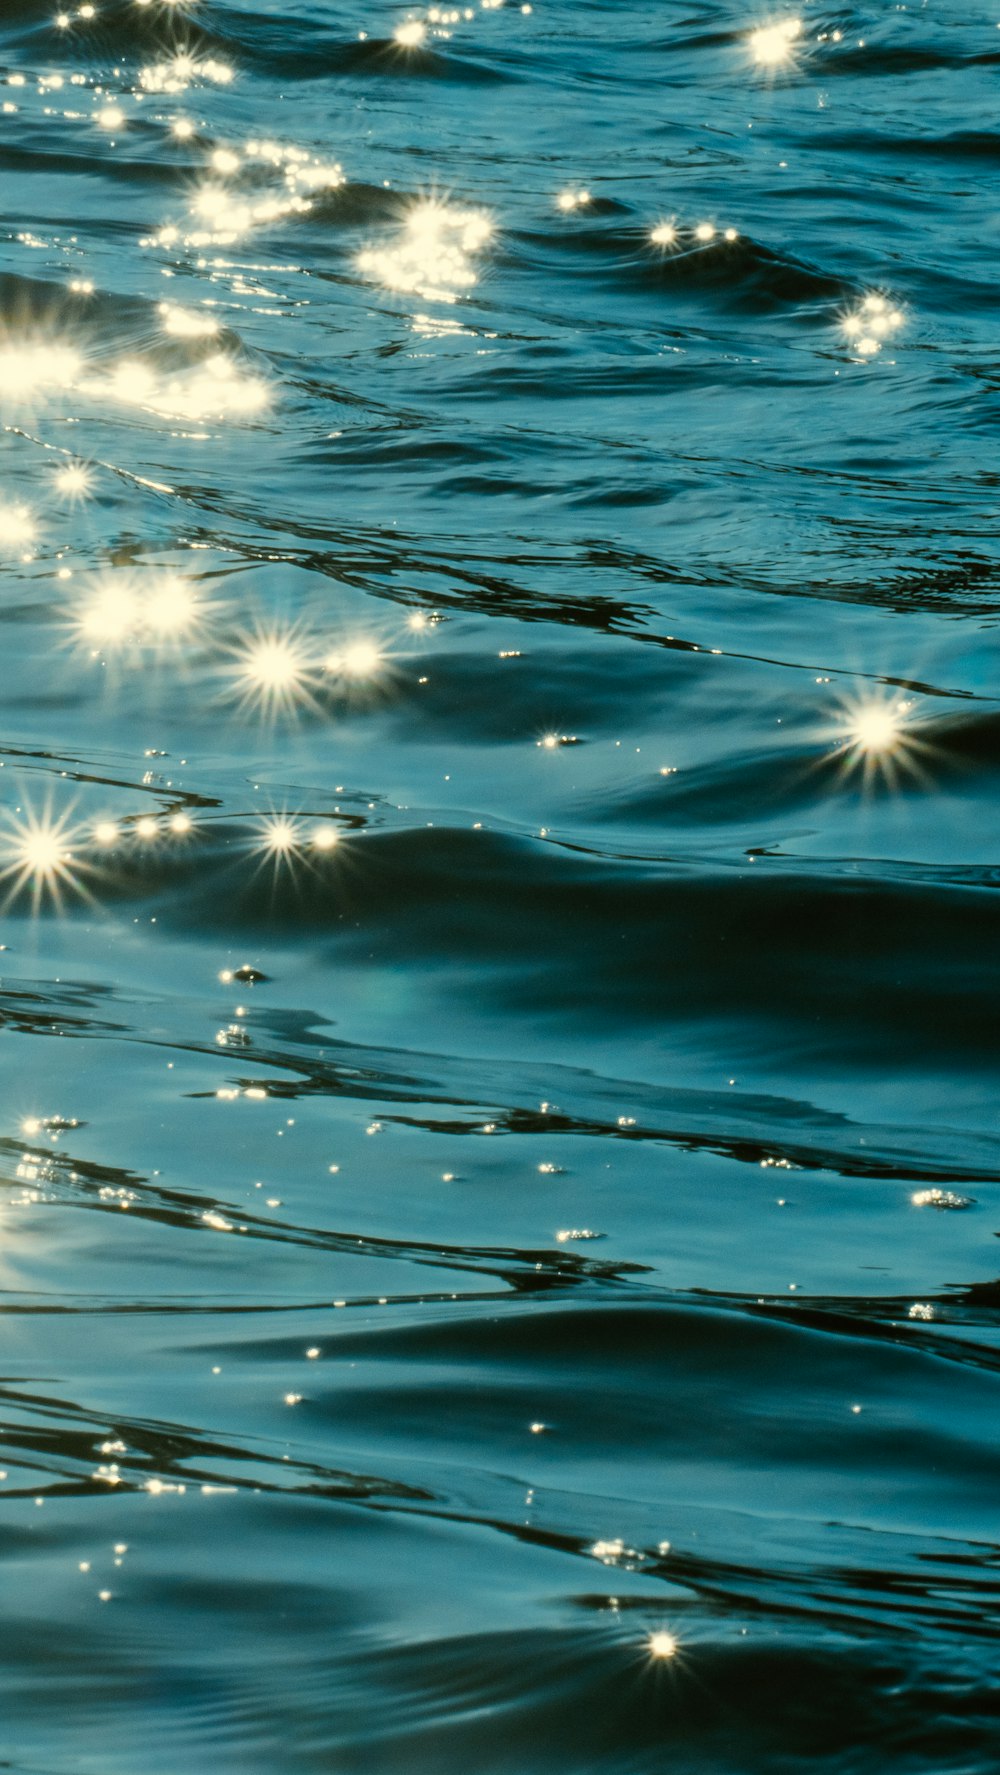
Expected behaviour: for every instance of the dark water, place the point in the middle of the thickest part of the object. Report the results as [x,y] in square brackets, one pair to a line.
[497,808]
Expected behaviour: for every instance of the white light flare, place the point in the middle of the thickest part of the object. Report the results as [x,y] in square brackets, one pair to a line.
[31,369]
[359,660]
[411,34]
[37,857]
[434,252]
[879,736]
[874,321]
[662,1645]
[875,727]
[773,46]
[18,528]
[273,674]
[74,481]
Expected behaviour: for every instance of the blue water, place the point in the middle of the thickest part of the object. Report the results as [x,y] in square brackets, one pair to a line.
[498,772]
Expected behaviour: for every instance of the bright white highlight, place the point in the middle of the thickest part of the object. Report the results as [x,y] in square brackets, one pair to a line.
[662,1645]
[876,728]
[874,321]
[773,45]
[74,480]
[36,856]
[433,255]
[411,34]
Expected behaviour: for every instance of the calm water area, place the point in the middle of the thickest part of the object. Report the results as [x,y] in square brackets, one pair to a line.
[499,1177]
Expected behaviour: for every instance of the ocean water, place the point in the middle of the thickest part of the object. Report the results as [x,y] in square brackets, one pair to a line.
[499,865]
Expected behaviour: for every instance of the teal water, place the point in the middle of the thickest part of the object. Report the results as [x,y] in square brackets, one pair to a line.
[498,771]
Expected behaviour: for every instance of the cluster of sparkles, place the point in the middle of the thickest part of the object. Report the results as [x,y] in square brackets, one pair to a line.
[279,671]
[868,326]
[413,32]
[573,198]
[433,255]
[44,856]
[34,371]
[287,840]
[183,69]
[123,613]
[671,234]
[216,387]
[220,217]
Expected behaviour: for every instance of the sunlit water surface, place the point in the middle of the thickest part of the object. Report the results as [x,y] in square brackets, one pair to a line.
[499,866]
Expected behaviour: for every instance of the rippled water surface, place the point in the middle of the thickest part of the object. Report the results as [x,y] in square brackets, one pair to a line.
[497,830]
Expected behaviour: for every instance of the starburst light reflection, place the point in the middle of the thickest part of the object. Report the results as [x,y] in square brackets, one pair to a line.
[280,839]
[662,1645]
[273,674]
[75,480]
[878,739]
[37,856]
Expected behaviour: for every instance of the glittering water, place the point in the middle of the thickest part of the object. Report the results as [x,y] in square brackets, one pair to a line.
[498,855]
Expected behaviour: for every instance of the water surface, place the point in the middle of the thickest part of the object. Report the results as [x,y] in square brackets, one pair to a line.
[500,747]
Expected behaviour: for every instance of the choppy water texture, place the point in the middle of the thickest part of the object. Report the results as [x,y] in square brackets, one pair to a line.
[499,755]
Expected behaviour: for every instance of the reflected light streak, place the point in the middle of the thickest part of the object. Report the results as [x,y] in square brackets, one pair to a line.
[216,388]
[186,324]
